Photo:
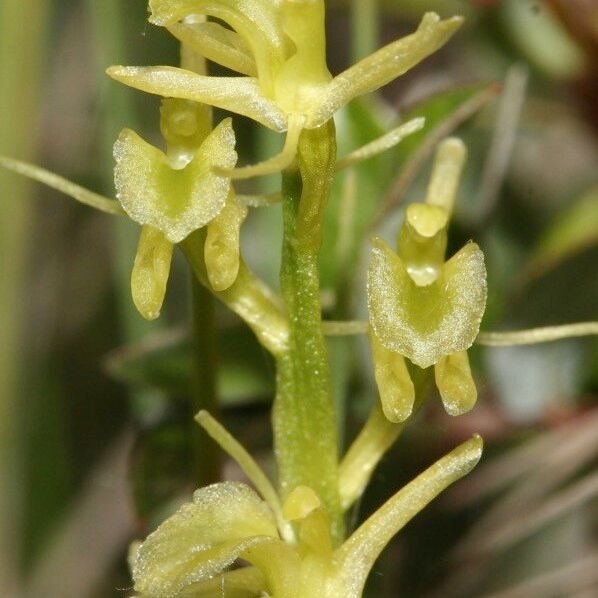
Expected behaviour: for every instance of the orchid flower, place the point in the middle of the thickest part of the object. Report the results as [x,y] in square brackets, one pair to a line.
[288,546]
[279,45]
[422,307]
[175,193]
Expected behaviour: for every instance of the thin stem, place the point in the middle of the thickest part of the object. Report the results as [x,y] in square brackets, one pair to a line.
[248,297]
[537,335]
[22,51]
[204,393]
[365,29]
[303,418]
[531,336]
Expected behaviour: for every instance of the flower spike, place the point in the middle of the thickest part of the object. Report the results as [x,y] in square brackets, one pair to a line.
[281,44]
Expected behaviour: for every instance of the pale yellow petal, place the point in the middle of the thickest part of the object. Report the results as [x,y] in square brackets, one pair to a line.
[446,174]
[150,272]
[241,95]
[397,394]
[202,538]
[217,44]
[256,21]
[386,64]
[221,250]
[426,323]
[177,202]
[455,383]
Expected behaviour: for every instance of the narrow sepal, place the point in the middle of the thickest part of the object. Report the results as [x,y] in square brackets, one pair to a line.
[151,270]
[58,183]
[386,64]
[455,383]
[358,554]
[221,250]
[397,394]
[241,95]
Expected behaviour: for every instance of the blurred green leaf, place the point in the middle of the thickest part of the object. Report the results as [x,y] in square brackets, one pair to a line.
[163,361]
[573,230]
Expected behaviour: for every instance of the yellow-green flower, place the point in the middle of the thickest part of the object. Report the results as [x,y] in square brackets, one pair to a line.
[423,308]
[288,547]
[174,193]
[280,46]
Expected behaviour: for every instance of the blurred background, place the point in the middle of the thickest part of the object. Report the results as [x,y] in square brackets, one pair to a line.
[96,431]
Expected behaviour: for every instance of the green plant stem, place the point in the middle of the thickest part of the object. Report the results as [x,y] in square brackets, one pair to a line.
[22,50]
[305,433]
[364,27]
[248,297]
[204,391]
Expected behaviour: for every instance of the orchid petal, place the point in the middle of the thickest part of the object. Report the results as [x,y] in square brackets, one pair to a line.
[446,174]
[150,272]
[426,323]
[241,95]
[256,21]
[221,250]
[455,383]
[386,64]
[217,44]
[202,538]
[358,554]
[177,202]
[397,393]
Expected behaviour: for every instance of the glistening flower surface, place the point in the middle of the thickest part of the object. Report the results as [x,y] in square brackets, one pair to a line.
[283,44]
[423,308]
[188,554]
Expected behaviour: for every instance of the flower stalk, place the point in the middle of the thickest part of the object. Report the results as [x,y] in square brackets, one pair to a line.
[303,415]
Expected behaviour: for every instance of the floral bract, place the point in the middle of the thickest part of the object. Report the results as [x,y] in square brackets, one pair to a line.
[290,550]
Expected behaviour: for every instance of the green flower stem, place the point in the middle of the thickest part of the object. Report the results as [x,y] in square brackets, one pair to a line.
[204,391]
[23,28]
[248,297]
[305,433]
[364,27]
